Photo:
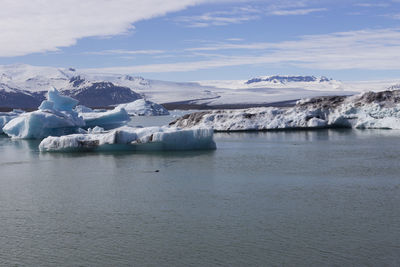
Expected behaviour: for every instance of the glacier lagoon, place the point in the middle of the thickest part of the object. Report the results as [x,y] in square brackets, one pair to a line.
[326,197]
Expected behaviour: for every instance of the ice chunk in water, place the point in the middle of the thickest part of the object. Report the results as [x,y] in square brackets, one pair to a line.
[54,117]
[42,123]
[107,120]
[83,109]
[142,107]
[129,138]
[5,117]
[61,102]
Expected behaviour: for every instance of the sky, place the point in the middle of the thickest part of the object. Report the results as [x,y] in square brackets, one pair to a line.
[193,40]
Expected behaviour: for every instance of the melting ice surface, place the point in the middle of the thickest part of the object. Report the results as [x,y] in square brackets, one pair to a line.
[54,117]
[131,138]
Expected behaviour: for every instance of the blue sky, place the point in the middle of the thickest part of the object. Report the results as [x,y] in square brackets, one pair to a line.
[189,40]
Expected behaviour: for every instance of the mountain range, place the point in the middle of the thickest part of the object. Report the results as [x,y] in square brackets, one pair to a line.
[25,86]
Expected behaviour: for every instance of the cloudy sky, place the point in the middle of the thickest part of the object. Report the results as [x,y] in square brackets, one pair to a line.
[186,40]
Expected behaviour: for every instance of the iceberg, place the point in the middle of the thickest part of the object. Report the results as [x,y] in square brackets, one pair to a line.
[5,117]
[42,123]
[107,120]
[54,117]
[83,109]
[60,102]
[60,115]
[132,139]
[365,111]
[142,107]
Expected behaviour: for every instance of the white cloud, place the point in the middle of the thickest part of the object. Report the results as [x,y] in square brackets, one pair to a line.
[235,39]
[220,18]
[243,14]
[372,4]
[29,26]
[302,11]
[393,16]
[366,49]
[125,52]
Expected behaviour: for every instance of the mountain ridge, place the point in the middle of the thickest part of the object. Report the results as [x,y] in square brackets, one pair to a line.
[288,78]
[25,86]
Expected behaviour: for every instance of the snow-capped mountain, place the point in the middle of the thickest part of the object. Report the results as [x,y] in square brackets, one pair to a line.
[321,83]
[288,79]
[16,98]
[25,86]
[394,87]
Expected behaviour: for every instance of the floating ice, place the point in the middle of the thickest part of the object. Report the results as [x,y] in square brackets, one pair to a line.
[108,119]
[135,139]
[46,104]
[143,107]
[5,117]
[54,117]
[96,129]
[83,109]
[61,102]
[369,110]
[42,123]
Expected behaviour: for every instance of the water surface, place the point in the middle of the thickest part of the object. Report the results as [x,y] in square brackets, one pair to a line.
[280,198]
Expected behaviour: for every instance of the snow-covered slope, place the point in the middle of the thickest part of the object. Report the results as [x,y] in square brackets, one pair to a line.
[270,89]
[23,86]
[91,89]
[281,81]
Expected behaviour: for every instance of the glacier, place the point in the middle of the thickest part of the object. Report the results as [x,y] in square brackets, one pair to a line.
[364,111]
[142,107]
[132,139]
[54,117]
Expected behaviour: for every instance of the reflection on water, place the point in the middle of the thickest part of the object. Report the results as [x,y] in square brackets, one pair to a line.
[312,135]
[326,197]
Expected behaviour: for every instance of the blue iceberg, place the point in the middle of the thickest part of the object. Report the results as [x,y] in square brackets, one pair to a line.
[55,117]
[107,120]
[142,107]
[5,117]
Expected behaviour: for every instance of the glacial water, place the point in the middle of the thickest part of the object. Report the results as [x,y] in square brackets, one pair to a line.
[300,198]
